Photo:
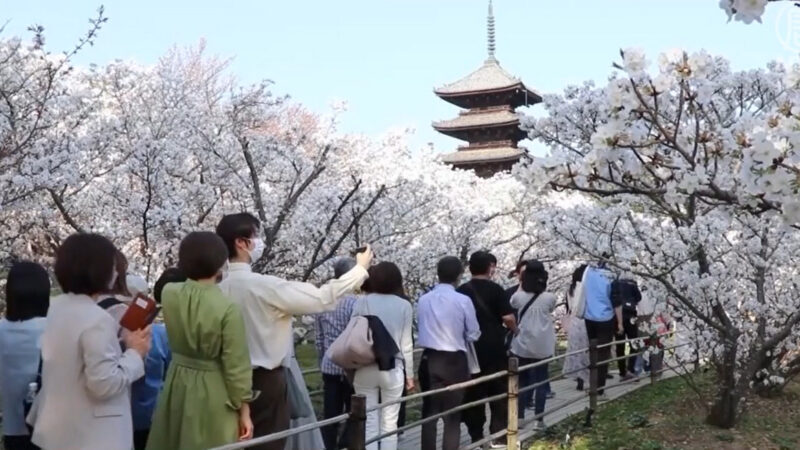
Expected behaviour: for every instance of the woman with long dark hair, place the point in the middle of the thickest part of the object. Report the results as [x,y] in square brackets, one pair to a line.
[576,366]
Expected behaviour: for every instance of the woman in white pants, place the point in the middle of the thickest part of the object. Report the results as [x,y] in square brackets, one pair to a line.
[382,301]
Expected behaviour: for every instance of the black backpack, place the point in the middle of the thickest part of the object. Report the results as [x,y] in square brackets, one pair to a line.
[626,293]
[108,302]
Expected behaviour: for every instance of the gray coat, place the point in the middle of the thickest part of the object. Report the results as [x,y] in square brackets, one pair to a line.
[85,401]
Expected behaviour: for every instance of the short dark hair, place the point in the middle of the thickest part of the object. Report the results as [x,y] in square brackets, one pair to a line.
[449,269]
[480,262]
[27,291]
[534,277]
[385,278]
[201,255]
[84,263]
[237,226]
[170,275]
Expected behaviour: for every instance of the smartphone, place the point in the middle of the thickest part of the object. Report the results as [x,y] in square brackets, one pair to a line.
[358,250]
[141,312]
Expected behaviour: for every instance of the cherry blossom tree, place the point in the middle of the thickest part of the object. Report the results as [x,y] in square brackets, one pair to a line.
[747,11]
[145,154]
[39,112]
[689,173]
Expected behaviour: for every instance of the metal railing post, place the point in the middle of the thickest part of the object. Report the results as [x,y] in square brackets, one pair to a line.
[513,411]
[594,376]
[358,423]
[656,365]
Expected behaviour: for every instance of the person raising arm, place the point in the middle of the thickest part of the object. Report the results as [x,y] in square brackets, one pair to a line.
[268,304]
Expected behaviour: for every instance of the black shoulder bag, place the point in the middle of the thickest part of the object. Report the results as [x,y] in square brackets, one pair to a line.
[482,305]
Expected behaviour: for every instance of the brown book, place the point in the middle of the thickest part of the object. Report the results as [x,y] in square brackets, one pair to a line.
[141,313]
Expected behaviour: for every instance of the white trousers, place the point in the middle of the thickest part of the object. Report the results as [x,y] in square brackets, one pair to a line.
[380,387]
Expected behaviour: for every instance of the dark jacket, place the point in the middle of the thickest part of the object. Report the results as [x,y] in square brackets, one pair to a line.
[383,344]
[627,294]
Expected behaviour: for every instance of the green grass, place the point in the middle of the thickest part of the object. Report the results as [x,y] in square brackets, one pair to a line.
[669,415]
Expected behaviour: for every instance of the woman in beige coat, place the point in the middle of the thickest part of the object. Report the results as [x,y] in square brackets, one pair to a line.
[84,402]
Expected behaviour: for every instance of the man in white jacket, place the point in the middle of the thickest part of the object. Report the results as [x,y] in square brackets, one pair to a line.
[268,304]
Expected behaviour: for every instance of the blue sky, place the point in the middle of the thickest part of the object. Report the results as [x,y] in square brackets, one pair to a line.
[384,57]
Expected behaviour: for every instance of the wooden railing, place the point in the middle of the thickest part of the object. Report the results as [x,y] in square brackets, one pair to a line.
[357,439]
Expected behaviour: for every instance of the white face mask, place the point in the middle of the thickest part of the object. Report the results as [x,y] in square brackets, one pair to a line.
[257,251]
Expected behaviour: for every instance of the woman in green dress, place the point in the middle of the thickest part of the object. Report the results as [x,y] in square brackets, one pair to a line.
[205,399]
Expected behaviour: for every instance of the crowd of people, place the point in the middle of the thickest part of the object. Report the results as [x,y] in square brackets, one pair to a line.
[220,367]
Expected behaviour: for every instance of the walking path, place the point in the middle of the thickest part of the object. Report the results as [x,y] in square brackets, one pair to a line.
[565,392]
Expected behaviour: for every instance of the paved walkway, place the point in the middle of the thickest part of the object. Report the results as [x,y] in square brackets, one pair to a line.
[565,392]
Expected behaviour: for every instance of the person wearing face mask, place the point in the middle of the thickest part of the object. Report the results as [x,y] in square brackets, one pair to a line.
[496,318]
[208,388]
[268,304]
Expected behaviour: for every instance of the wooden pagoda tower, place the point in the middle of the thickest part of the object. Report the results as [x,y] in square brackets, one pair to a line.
[488,121]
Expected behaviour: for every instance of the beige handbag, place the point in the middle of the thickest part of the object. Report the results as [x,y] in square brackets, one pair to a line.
[353,348]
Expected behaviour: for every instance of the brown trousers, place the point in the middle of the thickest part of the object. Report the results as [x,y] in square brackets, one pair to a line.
[270,411]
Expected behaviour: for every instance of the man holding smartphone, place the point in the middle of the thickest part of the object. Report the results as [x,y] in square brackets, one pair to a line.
[268,304]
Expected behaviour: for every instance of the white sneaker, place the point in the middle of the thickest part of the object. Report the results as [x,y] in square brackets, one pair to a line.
[603,398]
[539,426]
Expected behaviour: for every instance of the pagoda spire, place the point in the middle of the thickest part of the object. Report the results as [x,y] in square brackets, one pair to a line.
[490,33]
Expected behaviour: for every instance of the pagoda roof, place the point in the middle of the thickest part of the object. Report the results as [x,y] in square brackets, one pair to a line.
[484,155]
[471,119]
[490,77]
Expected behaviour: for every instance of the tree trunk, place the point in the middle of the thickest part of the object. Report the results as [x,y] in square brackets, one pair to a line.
[724,412]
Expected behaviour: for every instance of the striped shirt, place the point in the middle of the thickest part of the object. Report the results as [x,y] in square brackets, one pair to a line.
[327,327]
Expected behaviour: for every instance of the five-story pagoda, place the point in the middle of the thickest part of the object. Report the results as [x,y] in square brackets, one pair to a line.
[488,122]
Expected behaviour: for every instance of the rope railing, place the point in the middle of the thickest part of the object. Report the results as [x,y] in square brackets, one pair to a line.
[359,410]
[639,352]
[452,387]
[644,337]
[459,408]
[653,376]
[285,434]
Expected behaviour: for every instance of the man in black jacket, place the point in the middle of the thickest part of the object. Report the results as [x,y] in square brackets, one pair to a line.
[626,292]
[495,317]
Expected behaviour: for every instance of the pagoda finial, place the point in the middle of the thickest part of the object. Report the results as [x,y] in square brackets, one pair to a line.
[490,32]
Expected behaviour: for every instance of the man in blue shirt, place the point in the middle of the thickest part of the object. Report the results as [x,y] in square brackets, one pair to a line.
[447,325]
[603,316]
